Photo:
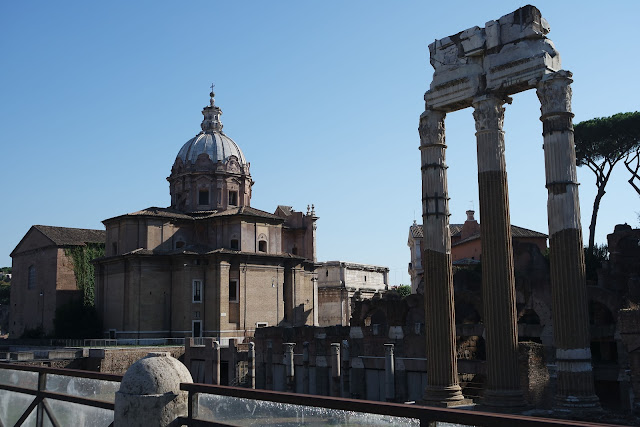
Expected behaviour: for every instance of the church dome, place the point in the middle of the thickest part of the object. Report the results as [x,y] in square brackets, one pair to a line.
[211,141]
[216,145]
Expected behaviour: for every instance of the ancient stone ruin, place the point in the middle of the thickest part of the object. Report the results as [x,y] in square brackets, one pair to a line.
[480,68]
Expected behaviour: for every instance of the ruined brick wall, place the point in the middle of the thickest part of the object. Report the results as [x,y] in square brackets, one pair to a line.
[534,376]
[118,360]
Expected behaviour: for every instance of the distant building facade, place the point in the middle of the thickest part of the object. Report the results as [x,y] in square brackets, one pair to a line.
[43,276]
[339,281]
[465,245]
[210,264]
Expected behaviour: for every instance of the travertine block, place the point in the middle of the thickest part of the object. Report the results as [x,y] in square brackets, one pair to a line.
[511,54]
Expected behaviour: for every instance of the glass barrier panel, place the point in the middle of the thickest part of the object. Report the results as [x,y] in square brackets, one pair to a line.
[13,405]
[248,412]
[73,414]
[24,379]
[83,387]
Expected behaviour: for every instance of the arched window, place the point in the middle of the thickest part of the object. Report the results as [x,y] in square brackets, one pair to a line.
[31,277]
[203,197]
[233,198]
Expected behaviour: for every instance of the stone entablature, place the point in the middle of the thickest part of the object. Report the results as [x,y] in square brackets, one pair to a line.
[508,55]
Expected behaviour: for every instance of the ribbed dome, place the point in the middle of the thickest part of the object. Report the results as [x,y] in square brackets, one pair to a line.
[217,145]
[211,140]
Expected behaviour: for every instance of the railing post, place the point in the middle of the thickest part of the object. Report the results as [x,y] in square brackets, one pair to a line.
[192,410]
[42,385]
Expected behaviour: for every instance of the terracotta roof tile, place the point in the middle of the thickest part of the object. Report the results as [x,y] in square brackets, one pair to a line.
[63,236]
[456,229]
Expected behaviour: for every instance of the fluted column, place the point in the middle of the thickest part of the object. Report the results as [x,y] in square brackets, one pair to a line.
[575,387]
[498,283]
[442,368]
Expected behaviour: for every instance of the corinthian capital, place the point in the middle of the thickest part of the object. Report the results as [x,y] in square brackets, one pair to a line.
[554,93]
[488,112]
[431,127]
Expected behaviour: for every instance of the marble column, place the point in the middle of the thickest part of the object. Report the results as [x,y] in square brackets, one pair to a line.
[289,366]
[575,387]
[389,373]
[442,367]
[498,282]
[335,369]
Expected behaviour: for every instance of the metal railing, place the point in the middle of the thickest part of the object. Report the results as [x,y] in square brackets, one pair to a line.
[210,405]
[416,414]
[51,389]
[138,342]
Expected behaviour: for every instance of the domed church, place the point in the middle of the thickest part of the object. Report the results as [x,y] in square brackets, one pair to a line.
[210,264]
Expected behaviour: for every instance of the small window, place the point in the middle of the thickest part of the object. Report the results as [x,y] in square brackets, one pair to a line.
[233,198]
[114,248]
[262,246]
[234,244]
[294,250]
[261,324]
[197,291]
[326,273]
[233,290]
[196,328]
[31,278]
[203,197]
[365,278]
[196,314]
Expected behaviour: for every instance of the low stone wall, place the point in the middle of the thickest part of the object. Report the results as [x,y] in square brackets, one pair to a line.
[118,360]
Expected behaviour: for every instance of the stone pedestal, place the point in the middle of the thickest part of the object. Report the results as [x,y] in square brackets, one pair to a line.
[150,392]
[575,387]
[498,283]
[442,370]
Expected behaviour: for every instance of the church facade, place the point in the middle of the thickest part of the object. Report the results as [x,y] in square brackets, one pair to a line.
[209,264]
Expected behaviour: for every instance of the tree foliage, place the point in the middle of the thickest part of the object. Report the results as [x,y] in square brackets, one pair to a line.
[5,292]
[404,290]
[81,256]
[600,144]
[593,260]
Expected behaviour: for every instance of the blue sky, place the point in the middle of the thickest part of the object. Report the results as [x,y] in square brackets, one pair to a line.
[323,97]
